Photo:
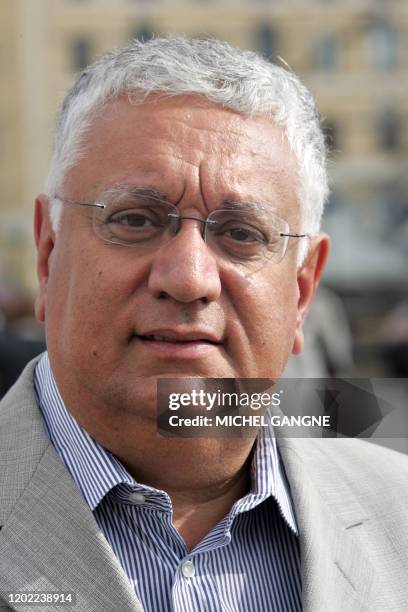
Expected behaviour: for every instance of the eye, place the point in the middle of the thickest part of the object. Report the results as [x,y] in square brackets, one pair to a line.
[243,234]
[239,231]
[133,219]
[133,225]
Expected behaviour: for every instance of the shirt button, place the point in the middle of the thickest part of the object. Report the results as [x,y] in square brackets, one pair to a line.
[188,569]
[137,498]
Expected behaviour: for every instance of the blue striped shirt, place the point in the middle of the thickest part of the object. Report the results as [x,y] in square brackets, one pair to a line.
[249,561]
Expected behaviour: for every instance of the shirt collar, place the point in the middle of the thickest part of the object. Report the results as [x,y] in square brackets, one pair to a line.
[96,471]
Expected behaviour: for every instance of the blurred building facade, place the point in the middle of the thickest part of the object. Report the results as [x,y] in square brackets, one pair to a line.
[353,55]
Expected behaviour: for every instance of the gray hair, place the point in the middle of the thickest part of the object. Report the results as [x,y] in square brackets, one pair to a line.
[236,79]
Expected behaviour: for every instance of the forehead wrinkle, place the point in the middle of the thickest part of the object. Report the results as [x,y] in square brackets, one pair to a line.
[238,126]
[249,128]
[246,203]
[239,203]
[226,139]
[229,140]
[127,188]
[233,192]
[149,190]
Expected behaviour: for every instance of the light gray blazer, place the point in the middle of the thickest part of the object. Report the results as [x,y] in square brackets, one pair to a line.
[351,500]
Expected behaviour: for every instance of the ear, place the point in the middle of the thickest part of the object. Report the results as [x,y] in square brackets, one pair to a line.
[44,240]
[308,281]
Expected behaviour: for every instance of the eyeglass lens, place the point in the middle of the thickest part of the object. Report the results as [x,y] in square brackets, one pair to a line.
[243,235]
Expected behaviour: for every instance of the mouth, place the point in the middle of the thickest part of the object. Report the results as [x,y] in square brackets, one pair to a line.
[158,338]
[173,344]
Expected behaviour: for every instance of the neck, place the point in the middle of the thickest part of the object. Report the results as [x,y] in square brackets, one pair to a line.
[203,477]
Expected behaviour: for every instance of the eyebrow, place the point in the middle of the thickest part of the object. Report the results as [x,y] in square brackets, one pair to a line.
[150,192]
[126,189]
[244,204]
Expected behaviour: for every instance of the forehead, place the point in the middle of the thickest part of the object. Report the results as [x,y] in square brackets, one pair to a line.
[186,144]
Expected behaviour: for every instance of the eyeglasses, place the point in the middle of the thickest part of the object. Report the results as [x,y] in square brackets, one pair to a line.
[242,233]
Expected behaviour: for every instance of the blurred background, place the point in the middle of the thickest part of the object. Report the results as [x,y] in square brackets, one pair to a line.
[352,54]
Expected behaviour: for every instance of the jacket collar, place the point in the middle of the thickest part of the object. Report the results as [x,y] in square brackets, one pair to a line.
[59,518]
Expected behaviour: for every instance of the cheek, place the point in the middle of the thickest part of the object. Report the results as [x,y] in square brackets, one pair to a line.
[271,316]
[264,325]
[104,296]
[82,299]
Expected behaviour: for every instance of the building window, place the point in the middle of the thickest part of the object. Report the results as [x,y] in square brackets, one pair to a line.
[384,45]
[331,135]
[266,41]
[389,130]
[81,53]
[143,33]
[327,53]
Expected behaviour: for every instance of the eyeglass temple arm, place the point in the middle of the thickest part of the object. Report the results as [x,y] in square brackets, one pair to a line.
[78,202]
[295,235]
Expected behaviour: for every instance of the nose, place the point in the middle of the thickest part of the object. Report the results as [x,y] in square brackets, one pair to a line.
[184,269]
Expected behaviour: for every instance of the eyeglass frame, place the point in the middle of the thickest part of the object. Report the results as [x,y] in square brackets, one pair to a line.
[179,218]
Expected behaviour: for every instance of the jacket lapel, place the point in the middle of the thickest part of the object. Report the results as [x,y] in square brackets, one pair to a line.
[50,540]
[336,573]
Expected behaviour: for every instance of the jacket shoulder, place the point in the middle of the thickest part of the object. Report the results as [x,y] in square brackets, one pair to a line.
[23,439]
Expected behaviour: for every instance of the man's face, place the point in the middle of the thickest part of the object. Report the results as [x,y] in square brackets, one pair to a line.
[102,303]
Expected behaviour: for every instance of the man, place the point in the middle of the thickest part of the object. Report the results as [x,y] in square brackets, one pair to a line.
[179,238]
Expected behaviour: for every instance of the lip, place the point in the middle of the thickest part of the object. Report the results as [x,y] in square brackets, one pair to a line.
[179,335]
[178,344]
